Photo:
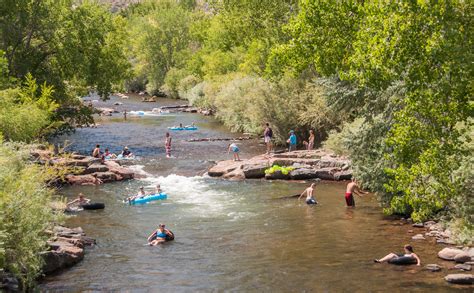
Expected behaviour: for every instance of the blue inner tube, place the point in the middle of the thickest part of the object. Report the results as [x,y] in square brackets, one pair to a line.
[403,260]
[183,128]
[148,198]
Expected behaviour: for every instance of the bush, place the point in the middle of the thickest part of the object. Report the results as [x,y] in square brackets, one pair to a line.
[275,168]
[25,213]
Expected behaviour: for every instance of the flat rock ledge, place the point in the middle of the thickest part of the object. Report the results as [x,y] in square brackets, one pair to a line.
[66,248]
[82,170]
[307,165]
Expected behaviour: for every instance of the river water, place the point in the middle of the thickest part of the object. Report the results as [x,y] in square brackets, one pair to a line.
[230,236]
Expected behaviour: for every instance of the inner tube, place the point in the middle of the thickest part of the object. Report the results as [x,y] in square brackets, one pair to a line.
[403,260]
[148,198]
[169,237]
[183,128]
[93,206]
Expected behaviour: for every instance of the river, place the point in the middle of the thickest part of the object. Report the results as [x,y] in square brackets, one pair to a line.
[230,236]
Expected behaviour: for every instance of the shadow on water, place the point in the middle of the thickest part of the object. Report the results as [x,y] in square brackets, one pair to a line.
[232,236]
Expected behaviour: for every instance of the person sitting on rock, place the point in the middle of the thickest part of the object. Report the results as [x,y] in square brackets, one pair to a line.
[309,195]
[80,200]
[160,235]
[126,153]
[96,151]
[235,151]
[408,253]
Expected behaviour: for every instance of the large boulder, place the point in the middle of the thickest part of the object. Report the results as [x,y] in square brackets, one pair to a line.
[96,168]
[108,176]
[462,257]
[123,172]
[463,279]
[343,175]
[80,179]
[325,173]
[223,167]
[255,170]
[237,174]
[449,253]
[63,257]
[303,174]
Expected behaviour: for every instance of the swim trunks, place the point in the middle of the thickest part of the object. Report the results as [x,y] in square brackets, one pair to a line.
[350,199]
[267,139]
[311,201]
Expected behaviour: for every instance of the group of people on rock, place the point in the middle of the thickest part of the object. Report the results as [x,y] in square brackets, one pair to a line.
[97,153]
[292,140]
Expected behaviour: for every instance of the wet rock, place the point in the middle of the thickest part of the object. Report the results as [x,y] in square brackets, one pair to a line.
[418,225]
[445,241]
[463,279]
[8,283]
[433,267]
[418,237]
[96,168]
[255,170]
[325,173]
[449,253]
[462,257]
[108,176]
[343,175]
[80,179]
[223,167]
[303,174]
[463,267]
[429,224]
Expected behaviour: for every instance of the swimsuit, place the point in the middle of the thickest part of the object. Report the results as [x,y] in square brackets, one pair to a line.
[160,234]
[350,199]
[234,148]
[311,201]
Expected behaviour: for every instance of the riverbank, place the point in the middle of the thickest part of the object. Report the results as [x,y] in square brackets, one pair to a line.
[304,165]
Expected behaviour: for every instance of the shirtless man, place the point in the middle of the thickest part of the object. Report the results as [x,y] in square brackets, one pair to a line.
[352,187]
[96,152]
[80,200]
[309,195]
[141,194]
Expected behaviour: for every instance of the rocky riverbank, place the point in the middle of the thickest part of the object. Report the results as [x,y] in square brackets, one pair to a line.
[304,165]
[82,170]
[66,247]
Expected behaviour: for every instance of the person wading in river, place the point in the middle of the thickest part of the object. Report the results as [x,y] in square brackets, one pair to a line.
[168,145]
[309,195]
[352,187]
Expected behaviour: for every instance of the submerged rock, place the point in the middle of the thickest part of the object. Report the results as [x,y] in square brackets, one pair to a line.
[463,279]
[433,267]
[463,267]
[418,237]
[462,257]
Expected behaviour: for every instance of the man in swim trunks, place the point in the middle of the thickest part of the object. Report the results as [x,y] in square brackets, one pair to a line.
[309,195]
[352,187]
[96,151]
[267,137]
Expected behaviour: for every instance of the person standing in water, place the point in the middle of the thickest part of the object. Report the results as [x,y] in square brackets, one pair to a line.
[309,195]
[235,151]
[125,114]
[352,187]
[168,145]
[267,137]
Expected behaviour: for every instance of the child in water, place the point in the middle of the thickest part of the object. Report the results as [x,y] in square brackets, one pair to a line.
[235,151]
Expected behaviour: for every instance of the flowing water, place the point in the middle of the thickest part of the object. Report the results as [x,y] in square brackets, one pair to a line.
[230,236]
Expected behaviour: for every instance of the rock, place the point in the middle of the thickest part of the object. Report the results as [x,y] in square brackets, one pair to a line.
[418,237]
[96,168]
[410,231]
[449,253]
[463,279]
[237,174]
[255,170]
[463,267]
[277,175]
[325,173]
[303,174]
[343,175]
[462,257]
[470,251]
[80,179]
[471,263]
[445,241]
[224,167]
[433,267]
[8,282]
[418,225]
[124,173]
[436,227]
[429,224]
[108,176]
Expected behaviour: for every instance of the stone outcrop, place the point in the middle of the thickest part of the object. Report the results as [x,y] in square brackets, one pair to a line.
[83,170]
[307,165]
[66,249]
[449,253]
